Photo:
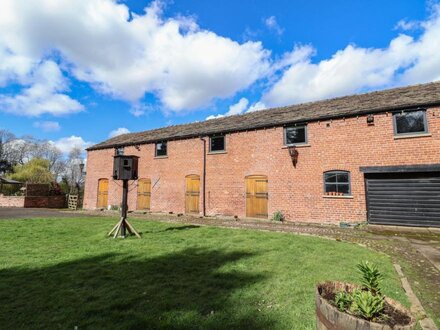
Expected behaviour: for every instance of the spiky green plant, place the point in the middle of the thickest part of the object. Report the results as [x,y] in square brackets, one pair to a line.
[367,305]
[343,300]
[278,216]
[371,277]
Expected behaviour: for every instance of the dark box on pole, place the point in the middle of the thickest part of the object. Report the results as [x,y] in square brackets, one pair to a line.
[125,167]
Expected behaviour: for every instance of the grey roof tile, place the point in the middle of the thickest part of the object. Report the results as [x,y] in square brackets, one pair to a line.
[386,100]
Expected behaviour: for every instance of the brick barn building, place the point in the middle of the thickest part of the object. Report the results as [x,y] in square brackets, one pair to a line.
[371,157]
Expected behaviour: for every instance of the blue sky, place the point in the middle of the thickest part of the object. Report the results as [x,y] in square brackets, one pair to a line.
[74,71]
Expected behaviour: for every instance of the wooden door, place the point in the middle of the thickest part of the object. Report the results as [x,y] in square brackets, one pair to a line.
[192,194]
[256,196]
[102,193]
[144,194]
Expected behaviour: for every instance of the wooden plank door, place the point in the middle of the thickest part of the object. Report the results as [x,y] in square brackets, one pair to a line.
[256,196]
[192,194]
[144,194]
[102,193]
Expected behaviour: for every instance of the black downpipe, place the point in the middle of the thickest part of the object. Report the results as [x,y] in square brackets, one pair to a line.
[204,177]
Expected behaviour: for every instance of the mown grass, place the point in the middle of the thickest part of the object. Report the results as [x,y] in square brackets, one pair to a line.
[62,273]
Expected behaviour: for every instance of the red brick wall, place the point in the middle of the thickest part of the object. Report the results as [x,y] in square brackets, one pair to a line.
[343,144]
[37,189]
[51,202]
[11,201]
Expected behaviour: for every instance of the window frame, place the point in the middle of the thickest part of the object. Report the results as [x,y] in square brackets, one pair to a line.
[210,145]
[306,135]
[349,194]
[118,151]
[425,122]
[155,149]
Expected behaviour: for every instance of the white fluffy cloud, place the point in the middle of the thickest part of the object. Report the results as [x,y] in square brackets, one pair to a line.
[127,55]
[257,107]
[42,94]
[272,24]
[355,69]
[406,25]
[118,131]
[66,144]
[47,126]
[239,108]
[234,109]
[122,54]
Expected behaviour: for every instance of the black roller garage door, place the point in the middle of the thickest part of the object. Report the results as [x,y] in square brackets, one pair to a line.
[406,199]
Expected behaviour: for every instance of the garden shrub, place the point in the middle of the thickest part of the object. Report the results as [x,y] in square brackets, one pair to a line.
[367,302]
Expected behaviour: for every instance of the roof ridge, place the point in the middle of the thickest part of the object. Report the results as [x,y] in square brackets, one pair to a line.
[402,96]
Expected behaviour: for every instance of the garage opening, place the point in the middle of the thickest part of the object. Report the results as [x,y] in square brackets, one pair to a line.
[409,197]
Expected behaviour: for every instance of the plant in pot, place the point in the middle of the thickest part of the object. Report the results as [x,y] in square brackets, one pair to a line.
[347,306]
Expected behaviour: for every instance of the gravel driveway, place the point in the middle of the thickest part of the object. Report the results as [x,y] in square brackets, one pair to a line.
[22,213]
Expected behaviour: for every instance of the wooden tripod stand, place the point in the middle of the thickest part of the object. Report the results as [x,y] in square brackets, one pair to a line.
[123,226]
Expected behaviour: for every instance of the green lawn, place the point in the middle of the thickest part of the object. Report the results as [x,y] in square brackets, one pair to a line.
[62,273]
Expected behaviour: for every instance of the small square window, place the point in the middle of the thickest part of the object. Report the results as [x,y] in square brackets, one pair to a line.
[337,183]
[410,122]
[161,149]
[295,135]
[119,151]
[217,143]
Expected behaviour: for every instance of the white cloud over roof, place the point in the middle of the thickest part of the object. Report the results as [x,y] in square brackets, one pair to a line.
[405,61]
[118,131]
[46,43]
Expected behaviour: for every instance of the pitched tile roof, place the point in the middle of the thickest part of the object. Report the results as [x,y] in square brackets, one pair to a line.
[9,181]
[387,100]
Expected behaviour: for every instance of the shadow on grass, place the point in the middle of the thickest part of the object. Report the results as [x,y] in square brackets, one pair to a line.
[182,227]
[182,290]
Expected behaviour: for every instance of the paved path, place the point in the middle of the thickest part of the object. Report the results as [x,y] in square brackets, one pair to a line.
[431,250]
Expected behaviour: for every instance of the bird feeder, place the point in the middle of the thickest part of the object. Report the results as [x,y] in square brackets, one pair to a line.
[125,168]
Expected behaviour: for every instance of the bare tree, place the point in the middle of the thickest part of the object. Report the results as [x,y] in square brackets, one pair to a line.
[19,150]
[47,150]
[73,171]
[5,151]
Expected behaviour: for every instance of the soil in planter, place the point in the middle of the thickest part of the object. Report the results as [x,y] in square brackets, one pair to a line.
[393,316]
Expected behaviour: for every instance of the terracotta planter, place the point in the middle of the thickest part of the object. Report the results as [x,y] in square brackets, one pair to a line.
[328,317]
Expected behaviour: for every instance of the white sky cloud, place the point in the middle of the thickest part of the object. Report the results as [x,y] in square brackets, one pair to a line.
[214,116]
[122,54]
[66,144]
[47,126]
[42,94]
[118,131]
[406,25]
[257,107]
[239,108]
[272,24]
[355,69]
[127,55]
[234,109]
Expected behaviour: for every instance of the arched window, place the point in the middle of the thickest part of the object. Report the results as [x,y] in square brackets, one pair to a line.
[337,183]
